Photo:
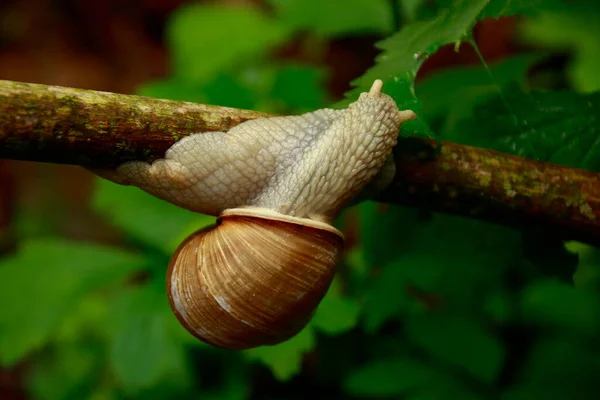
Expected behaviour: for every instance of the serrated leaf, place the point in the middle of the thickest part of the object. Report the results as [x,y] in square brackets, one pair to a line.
[336,313]
[555,126]
[42,282]
[143,349]
[146,218]
[404,52]
[327,18]
[505,8]
[471,84]
[389,378]
[208,38]
[284,360]
[459,341]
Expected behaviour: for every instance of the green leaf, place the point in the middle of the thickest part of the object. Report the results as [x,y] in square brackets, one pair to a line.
[434,259]
[544,374]
[327,18]
[548,357]
[44,280]
[498,306]
[556,304]
[404,52]
[389,378]
[471,84]
[299,87]
[588,271]
[281,89]
[505,8]
[206,39]
[386,298]
[68,373]
[233,384]
[549,255]
[560,126]
[411,9]
[381,237]
[458,341]
[225,89]
[387,234]
[230,90]
[547,391]
[571,28]
[87,316]
[446,389]
[284,360]
[174,88]
[144,349]
[336,314]
[146,218]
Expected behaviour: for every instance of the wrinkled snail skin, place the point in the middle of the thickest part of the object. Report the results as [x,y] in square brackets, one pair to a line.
[276,184]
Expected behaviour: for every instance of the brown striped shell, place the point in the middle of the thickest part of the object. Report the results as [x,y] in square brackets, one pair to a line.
[254,279]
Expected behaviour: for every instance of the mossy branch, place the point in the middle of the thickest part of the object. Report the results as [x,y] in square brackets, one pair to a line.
[99,129]
[102,130]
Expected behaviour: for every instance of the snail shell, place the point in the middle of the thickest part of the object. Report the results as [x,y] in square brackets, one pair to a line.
[276,184]
[253,279]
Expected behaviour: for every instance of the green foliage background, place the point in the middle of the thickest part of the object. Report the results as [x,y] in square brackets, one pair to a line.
[425,306]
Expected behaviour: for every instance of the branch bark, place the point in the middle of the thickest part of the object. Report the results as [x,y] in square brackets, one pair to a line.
[102,130]
[99,129]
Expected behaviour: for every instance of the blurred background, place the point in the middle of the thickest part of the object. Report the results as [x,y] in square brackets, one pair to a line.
[426,306]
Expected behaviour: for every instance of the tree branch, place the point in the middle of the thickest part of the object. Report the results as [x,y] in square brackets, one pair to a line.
[502,188]
[101,130]
[98,129]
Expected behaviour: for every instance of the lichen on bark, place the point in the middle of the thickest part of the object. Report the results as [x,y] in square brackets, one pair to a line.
[102,130]
[98,129]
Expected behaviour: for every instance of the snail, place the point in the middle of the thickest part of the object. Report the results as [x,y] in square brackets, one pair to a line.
[275,185]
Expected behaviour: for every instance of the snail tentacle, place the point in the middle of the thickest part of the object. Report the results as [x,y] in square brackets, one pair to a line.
[308,165]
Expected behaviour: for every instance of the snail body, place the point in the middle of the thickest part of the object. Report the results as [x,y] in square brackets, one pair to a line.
[275,184]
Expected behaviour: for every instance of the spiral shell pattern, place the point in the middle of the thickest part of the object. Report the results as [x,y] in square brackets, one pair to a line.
[252,279]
